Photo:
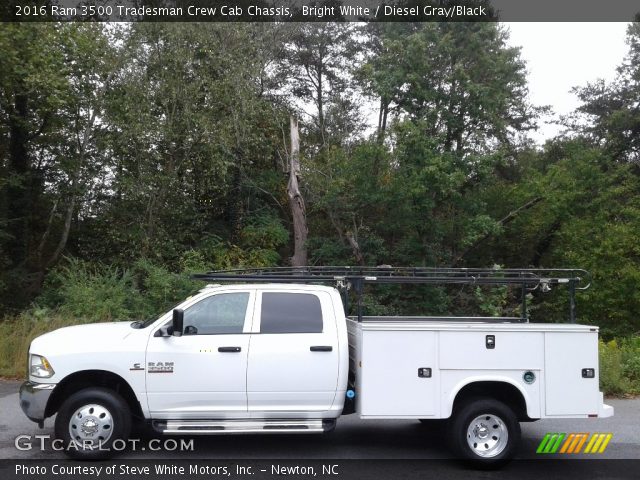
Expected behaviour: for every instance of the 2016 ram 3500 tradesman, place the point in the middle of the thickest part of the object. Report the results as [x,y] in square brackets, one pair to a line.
[268,358]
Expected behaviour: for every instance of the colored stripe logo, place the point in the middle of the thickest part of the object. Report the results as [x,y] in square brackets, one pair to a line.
[574,442]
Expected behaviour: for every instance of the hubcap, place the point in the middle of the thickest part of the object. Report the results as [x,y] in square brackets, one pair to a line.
[91,425]
[487,435]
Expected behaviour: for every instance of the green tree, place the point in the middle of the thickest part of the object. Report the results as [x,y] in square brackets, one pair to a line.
[462,81]
[587,218]
[317,61]
[52,76]
[610,112]
[193,153]
[457,95]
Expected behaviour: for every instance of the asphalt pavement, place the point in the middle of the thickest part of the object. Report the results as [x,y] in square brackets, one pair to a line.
[372,440]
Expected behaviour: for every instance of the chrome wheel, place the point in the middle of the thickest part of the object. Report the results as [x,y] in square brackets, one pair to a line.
[91,425]
[487,435]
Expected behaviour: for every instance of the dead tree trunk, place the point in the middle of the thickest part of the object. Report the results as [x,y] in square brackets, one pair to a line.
[296,202]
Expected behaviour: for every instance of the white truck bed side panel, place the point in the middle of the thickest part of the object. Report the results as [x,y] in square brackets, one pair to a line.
[452,381]
[389,381]
[567,393]
[513,350]
[386,355]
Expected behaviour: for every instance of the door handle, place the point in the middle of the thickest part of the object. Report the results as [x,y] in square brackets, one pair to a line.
[321,348]
[229,349]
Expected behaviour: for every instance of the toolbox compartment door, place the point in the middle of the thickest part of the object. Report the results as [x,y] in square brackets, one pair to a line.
[567,392]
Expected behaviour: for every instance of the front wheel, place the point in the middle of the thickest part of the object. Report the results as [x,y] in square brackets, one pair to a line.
[485,432]
[90,421]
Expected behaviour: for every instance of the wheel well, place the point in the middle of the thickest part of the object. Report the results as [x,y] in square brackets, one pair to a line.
[93,378]
[501,391]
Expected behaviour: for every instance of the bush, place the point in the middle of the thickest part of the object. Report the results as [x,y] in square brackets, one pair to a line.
[89,291]
[97,292]
[157,289]
[631,361]
[620,366]
[83,292]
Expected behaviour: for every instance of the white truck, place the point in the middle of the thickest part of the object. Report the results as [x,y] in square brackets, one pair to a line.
[279,355]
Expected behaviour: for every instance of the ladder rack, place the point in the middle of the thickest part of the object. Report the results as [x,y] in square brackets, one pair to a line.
[356,277]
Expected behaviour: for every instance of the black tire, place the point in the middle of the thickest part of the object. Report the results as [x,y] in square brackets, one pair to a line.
[484,432]
[102,416]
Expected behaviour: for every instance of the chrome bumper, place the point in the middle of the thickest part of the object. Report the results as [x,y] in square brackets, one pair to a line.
[34,398]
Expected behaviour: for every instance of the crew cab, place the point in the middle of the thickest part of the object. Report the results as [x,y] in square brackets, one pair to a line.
[267,357]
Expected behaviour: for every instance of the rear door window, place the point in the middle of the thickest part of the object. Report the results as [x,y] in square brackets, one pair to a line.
[290,313]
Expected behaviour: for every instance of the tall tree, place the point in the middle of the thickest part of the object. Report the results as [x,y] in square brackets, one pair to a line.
[52,74]
[452,104]
[610,112]
[461,80]
[316,69]
[81,160]
[32,87]
[188,153]
[317,62]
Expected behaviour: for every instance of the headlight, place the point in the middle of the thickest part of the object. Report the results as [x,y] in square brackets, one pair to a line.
[40,367]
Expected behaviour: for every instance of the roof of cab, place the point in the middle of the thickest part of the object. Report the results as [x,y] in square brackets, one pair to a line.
[269,286]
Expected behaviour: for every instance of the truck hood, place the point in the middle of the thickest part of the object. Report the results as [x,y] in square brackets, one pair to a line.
[93,336]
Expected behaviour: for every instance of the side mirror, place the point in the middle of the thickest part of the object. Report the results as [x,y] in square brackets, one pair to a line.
[164,331]
[178,319]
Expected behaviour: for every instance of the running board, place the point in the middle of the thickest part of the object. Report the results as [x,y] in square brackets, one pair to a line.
[217,427]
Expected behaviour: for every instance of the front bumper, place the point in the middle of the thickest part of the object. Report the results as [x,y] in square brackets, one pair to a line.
[34,398]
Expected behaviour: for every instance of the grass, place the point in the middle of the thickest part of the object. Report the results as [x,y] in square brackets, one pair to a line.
[16,334]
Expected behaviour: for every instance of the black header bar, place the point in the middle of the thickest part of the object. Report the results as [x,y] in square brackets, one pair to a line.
[319,10]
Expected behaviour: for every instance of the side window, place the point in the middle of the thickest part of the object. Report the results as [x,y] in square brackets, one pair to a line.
[290,313]
[223,313]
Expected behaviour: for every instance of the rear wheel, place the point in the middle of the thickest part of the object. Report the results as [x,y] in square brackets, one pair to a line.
[485,432]
[90,421]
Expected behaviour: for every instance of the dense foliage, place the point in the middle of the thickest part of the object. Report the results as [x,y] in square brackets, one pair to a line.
[132,155]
